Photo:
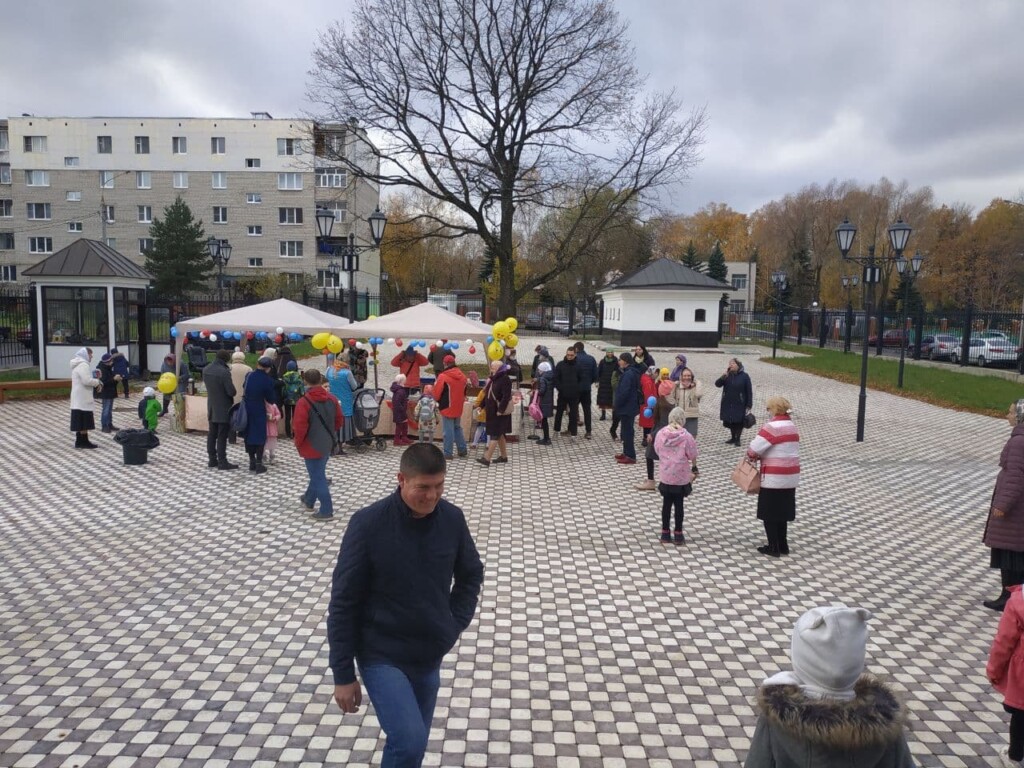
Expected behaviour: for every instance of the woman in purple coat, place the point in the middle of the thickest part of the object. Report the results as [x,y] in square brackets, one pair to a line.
[1004,530]
[496,400]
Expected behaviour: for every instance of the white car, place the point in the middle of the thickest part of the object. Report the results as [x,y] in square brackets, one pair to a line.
[984,352]
[475,316]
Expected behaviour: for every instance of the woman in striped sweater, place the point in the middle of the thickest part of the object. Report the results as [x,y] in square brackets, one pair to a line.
[777,446]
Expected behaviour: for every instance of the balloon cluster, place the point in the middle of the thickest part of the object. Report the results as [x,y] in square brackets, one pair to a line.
[278,335]
[503,336]
[649,410]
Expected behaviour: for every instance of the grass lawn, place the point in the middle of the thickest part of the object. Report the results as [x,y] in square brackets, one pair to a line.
[949,388]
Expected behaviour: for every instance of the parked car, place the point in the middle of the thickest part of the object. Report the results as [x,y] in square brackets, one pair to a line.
[982,352]
[475,316]
[891,338]
[559,325]
[25,337]
[535,321]
[997,335]
[942,348]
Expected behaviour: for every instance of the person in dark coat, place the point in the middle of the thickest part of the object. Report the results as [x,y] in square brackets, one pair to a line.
[627,406]
[259,390]
[568,382]
[540,355]
[544,385]
[588,375]
[737,399]
[605,369]
[515,371]
[284,356]
[121,368]
[437,356]
[220,396]
[642,358]
[108,392]
[357,363]
[1004,529]
[497,396]
[167,366]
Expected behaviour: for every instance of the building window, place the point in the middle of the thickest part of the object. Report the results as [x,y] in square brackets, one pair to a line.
[6,241]
[142,145]
[738,305]
[111,242]
[217,144]
[4,139]
[74,226]
[37,178]
[739,282]
[5,173]
[145,245]
[220,214]
[108,213]
[179,145]
[145,214]
[35,143]
[289,181]
[104,145]
[219,180]
[73,197]
[253,198]
[255,230]
[331,177]
[326,279]
[8,273]
[252,162]
[38,211]
[107,179]
[670,316]
[255,261]
[289,215]
[700,316]
[39,245]
[181,180]
[291,249]
[71,162]
[6,209]
[286,146]
[340,211]
[143,180]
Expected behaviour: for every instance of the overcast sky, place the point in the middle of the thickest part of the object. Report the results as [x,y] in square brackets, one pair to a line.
[930,91]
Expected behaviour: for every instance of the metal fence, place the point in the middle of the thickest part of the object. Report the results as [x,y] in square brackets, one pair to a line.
[17,337]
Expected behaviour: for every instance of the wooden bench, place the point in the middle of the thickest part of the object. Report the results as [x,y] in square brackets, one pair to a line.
[21,386]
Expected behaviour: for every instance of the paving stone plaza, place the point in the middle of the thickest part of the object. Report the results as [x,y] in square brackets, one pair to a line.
[173,615]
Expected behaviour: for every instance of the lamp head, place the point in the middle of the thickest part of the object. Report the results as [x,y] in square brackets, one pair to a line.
[915,263]
[845,233]
[213,247]
[324,222]
[377,223]
[899,233]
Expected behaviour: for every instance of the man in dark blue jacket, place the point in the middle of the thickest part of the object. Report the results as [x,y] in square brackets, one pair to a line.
[588,375]
[626,406]
[394,607]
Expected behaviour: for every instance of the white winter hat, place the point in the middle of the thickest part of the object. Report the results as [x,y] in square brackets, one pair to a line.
[149,392]
[827,652]
[544,367]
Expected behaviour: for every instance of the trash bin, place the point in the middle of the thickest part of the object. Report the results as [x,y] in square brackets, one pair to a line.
[136,444]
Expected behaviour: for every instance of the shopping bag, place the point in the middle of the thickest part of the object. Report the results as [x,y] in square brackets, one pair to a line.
[746,476]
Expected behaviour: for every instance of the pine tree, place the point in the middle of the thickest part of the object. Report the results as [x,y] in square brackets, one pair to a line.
[178,259]
[716,264]
[801,278]
[896,295]
[691,258]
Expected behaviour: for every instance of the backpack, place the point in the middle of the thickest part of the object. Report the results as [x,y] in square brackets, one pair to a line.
[238,418]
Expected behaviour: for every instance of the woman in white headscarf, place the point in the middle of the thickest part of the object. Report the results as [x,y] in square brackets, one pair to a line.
[83,384]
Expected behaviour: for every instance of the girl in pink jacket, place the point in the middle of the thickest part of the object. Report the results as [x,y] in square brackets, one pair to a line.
[1006,673]
[273,417]
[676,450]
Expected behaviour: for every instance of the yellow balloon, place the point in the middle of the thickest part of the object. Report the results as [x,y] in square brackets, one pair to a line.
[512,324]
[167,383]
[495,351]
[511,341]
[500,329]
[319,341]
[335,345]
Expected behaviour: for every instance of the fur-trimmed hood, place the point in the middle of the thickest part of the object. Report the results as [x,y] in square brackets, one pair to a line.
[873,718]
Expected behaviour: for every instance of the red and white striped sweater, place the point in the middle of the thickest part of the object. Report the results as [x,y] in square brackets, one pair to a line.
[778,447]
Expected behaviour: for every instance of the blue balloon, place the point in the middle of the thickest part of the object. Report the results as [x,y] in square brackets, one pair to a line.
[490,339]
[648,413]
[455,345]
[174,333]
[652,401]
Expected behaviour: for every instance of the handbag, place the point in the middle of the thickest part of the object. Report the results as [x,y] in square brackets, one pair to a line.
[746,476]
[535,412]
[507,410]
[749,420]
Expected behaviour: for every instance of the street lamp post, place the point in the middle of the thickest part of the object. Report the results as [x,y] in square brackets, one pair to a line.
[779,281]
[220,252]
[849,282]
[901,267]
[334,270]
[346,249]
[899,233]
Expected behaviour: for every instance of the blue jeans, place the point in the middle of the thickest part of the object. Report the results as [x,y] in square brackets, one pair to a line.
[452,431]
[626,433]
[405,706]
[318,488]
[107,413]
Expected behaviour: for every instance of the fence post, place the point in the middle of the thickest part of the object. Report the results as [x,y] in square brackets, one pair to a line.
[965,339]
[800,327]
[918,331]
[823,330]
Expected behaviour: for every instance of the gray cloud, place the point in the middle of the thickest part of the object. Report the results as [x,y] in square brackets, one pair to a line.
[797,92]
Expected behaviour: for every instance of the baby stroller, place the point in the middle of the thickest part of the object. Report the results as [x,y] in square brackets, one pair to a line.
[366,413]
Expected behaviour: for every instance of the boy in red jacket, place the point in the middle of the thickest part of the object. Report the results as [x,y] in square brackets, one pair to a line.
[450,389]
[317,420]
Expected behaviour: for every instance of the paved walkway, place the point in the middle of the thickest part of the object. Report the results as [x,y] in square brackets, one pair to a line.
[171,615]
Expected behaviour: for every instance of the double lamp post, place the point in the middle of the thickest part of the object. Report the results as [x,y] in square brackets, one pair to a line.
[220,252]
[345,249]
[779,281]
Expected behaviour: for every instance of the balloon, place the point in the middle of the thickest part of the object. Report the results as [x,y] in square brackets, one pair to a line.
[174,333]
[454,345]
[359,345]
[490,339]
[665,371]
[391,340]
[279,330]
[512,340]
[372,317]
[500,329]
[495,351]
[469,341]
[167,383]
[433,347]
[398,343]
[648,413]
[278,339]
[351,342]
[335,345]
[319,341]
[204,334]
[472,350]
[512,324]
[250,334]
[440,342]
[503,343]
[213,337]
[652,401]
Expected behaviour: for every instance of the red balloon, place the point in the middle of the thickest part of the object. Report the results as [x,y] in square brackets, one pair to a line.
[472,350]
[250,335]
[279,338]
[204,334]
[433,347]
[398,342]
[351,342]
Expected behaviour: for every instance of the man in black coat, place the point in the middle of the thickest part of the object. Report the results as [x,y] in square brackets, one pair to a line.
[220,396]
[626,405]
[568,382]
[588,375]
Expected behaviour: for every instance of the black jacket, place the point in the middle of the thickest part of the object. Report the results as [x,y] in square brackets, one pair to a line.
[588,369]
[544,384]
[737,397]
[392,596]
[568,378]
[627,394]
[108,388]
[220,391]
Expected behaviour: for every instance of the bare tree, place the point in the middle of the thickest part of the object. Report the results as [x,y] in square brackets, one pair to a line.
[491,105]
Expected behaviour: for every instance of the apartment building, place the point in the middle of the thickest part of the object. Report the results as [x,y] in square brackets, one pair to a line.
[255,182]
[742,276]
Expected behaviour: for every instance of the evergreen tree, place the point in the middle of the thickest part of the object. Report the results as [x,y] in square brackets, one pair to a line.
[801,278]
[716,264]
[914,299]
[691,258]
[178,259]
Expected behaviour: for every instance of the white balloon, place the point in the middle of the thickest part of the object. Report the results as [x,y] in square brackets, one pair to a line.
[279,329]
[469,341]
[359,345]
[213,337]
[502,342]
[391,340]
[440,343]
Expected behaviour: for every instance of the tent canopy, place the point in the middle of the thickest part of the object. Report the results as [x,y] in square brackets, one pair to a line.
[293,317]
[423,321]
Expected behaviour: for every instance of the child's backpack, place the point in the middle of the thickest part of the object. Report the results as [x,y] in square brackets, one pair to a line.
[238,418]
[425,410]
[293,387]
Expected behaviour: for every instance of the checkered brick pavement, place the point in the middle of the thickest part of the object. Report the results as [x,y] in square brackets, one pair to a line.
[171,615]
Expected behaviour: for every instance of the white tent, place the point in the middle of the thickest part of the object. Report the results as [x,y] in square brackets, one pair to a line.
[422,321]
